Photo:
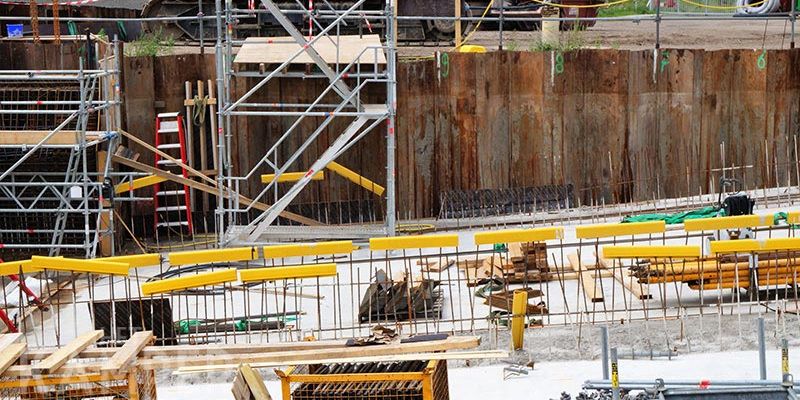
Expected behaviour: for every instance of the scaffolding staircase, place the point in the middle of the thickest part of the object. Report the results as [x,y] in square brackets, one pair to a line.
[171,201]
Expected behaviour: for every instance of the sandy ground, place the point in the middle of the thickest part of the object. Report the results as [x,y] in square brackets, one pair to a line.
[709,35]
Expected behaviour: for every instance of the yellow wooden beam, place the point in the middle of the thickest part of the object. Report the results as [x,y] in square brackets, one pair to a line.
[213,255]
[793,217]
[14,267]
[622,229]
[138,183]
[136,260]
[188,282]
[792,243]
[359,180]
[735,246]
[97,266]
[413,242]
[651,251]
[718,223]
[519,307]
[292,177]
[519,235]
[291,272]
[309,249]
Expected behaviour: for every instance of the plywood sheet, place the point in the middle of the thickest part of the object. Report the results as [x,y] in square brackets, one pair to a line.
[276,50]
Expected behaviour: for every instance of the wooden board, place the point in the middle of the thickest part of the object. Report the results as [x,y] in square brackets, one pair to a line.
[249,385]
[128,353]
[276,50]
[64,354]
[630,283]
[33,137]
[10,354]
[587,278]
[7,339]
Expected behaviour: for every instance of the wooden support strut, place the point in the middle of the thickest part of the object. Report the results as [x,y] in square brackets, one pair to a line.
[640,291]
[587,278]
[127,354]
[60,357]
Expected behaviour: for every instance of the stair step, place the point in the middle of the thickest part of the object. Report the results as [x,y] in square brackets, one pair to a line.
[170,192]
[169,224]
[169,146]
[169,115]
[171,208]
[168,130]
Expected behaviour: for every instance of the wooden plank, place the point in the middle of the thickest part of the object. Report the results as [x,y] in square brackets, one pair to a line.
[10,354]
[587,278]
[258,390]
[208,189]
[638,290]
[126,354]
[276,50]
[7,339]
[64,354]
[34,137]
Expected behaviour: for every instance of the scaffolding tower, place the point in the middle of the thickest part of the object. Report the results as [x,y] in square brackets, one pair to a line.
[347,77]
[57,132]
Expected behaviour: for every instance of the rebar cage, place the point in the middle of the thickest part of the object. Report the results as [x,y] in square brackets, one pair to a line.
[403,380]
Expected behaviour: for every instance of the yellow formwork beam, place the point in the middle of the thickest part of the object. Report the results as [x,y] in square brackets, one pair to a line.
[290,272]
[792,243]
[715,224]
[793,217]
[14,267]
[519,307]
[138,184]
[413,242]
[359,180]
[292,177]
[622,229]
[97,266]
[651,251]
[308,249]
[189,282]
[735,246]
[213,255]
[519,235]
[136,260]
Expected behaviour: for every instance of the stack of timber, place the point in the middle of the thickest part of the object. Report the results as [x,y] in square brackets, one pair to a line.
[524,263]
[724,272]
[401,299]
[505,299]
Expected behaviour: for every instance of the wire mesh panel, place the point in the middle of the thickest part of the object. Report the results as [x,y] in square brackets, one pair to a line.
[404,380]
[76,387]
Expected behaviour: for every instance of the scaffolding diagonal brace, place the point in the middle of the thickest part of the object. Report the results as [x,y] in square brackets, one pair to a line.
[343,141]
[339,86]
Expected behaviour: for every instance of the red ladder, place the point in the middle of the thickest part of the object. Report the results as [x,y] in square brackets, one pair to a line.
[177,213]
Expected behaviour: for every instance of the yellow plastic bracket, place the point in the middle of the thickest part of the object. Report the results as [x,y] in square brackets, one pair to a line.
[735,246]
[308,249]
[14,267]
[213,255]
[519,235]
[792,243]
[626,229]
[413,242]
[359,180]
[188,282]
[292,177]
[718,223]
[136,260]
[651,251]
[97,266]
[138,184]
[291,272]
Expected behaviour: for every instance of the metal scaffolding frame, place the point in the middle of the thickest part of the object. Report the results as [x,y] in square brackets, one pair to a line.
[34,188]
[364,117]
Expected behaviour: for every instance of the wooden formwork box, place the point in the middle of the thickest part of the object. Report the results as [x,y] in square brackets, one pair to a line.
[134,385]
[301,383]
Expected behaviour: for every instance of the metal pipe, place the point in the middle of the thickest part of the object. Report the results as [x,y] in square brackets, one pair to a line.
[762,350]
[785,360]
[614,374]
[604,350]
